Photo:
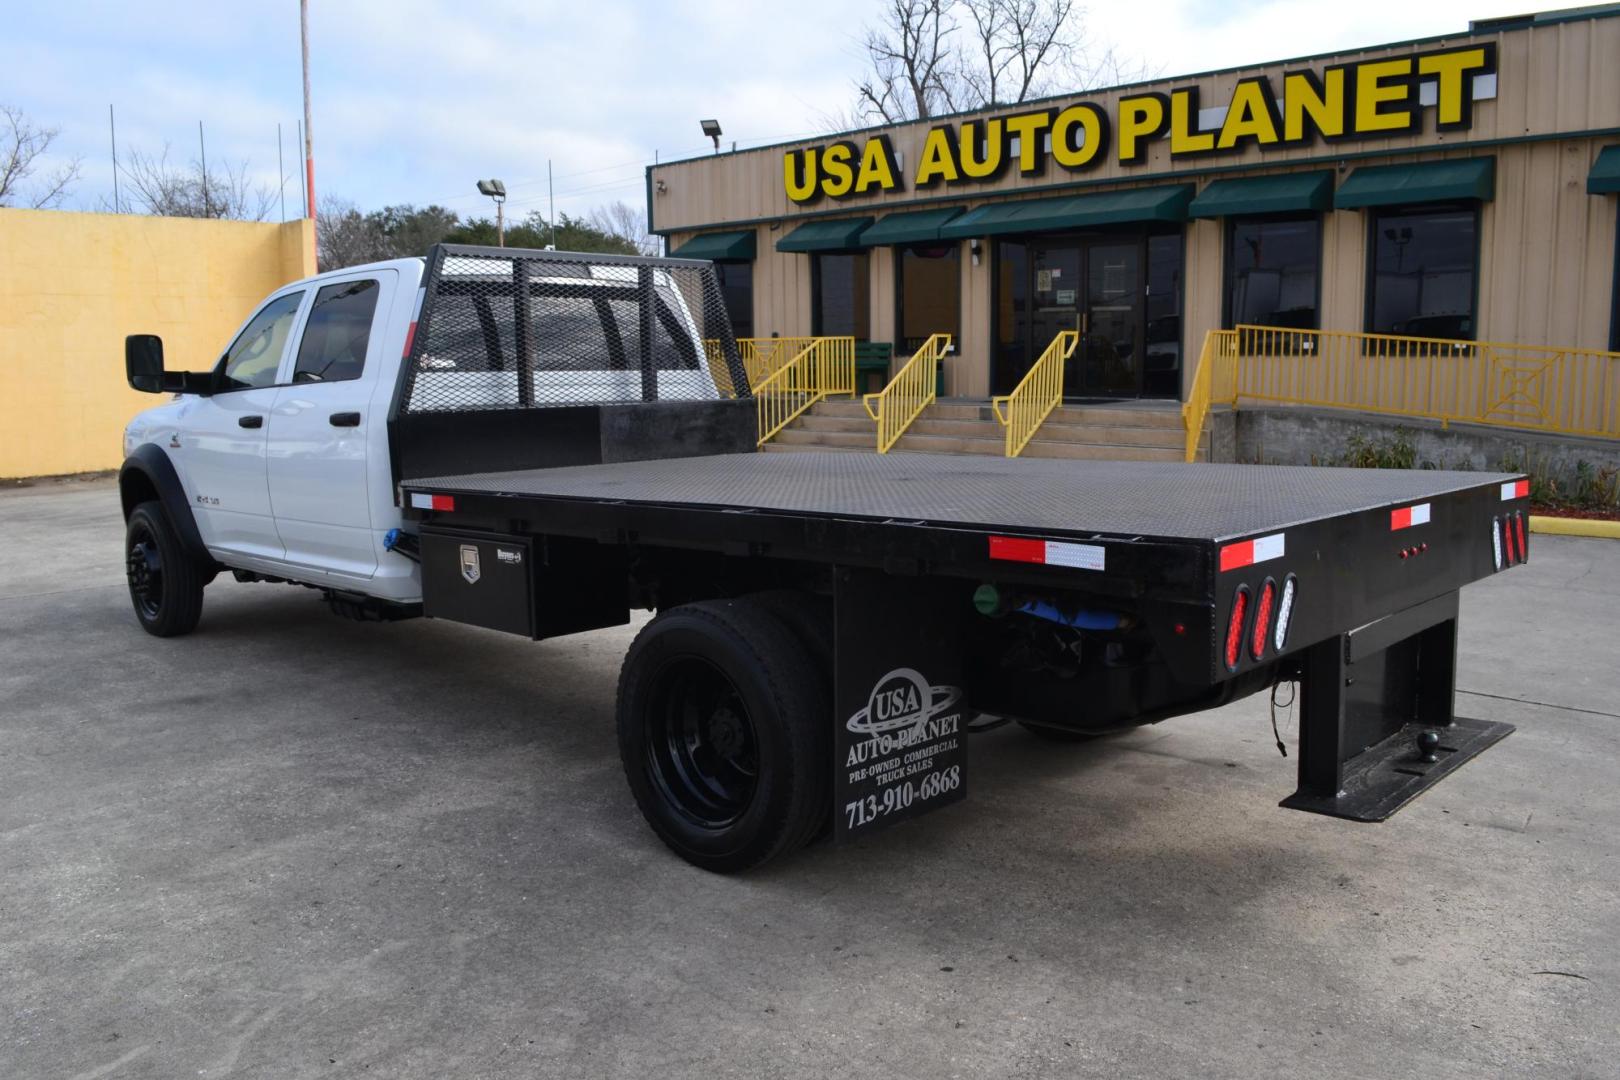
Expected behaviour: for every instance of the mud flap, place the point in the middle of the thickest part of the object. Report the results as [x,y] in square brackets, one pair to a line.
[899,747]
[1377,727]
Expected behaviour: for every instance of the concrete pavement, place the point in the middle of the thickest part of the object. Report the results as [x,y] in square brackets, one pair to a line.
[293,846]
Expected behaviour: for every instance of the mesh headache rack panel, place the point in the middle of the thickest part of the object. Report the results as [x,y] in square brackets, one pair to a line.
[514,328]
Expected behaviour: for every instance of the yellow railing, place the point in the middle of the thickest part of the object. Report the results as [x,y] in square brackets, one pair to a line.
[760,358]
[824,367]
[1541,388]
[910,392]
[1212,382]
[1023,411]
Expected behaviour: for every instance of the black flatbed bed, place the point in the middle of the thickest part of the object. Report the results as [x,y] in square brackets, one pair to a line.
[1169,501]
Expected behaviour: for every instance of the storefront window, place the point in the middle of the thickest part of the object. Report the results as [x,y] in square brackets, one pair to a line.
[737,289]
[1161,374]
[840,296]
[1425,262]
[928,284]
[1272,269]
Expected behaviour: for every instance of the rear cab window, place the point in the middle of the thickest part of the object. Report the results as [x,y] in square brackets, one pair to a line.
[337,332]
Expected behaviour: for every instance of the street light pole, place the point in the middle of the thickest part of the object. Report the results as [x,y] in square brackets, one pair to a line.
[497,191]
[309,139]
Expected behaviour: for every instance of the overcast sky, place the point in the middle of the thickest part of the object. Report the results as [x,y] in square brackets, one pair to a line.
[415,99]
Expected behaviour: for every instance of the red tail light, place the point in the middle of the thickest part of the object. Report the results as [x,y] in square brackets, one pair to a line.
[1262,618]
[1518,524]
[1234,628]
[1508,558]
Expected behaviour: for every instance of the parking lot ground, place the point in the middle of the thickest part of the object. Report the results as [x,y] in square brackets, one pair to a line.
[293,846]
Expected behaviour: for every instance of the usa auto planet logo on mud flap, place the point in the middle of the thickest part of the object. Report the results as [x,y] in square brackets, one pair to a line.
[908,726]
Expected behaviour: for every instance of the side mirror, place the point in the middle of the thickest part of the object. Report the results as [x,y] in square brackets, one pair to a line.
[143,362]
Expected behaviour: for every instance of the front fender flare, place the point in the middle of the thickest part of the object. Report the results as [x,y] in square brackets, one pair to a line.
[149,469]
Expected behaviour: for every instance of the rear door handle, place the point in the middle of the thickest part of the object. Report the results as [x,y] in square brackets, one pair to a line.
[344,419]
[250,421]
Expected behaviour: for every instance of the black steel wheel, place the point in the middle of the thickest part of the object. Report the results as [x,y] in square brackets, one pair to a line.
[165,584]
[723,722]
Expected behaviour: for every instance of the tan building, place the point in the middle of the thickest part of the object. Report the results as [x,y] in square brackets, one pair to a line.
[1454,187]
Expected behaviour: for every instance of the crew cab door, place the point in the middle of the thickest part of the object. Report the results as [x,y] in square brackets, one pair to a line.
[218,446]
[321,431]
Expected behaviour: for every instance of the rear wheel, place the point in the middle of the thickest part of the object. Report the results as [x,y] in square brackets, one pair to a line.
[723,732]
[165,583]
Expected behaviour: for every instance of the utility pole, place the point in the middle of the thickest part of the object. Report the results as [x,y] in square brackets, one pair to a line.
[309,139]
[112,128]
[551,203]
[281,173]
[202,146]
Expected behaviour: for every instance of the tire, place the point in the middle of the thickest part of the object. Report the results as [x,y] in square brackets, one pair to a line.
[810,617]
[724,734]
[165,583]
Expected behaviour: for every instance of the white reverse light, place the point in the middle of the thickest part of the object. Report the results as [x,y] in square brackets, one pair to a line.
[1496,541]
[1285,611]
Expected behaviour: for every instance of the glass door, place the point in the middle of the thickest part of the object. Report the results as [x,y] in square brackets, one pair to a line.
[1110,355]
[1057,296]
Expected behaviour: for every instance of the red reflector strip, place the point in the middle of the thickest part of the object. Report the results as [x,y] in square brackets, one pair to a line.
[1262,619]
[1249,552]
[1508,557]
[1515,489]
[410,339]
[1524,548]
[420,501]
[1407,516]
[1047,552]
[1234,627]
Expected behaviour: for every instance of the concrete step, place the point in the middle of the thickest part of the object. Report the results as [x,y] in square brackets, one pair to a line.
[950,444]
[1116,417]
[775,447]
[854,440]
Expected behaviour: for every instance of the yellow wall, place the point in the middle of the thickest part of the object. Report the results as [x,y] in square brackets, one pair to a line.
[71,287]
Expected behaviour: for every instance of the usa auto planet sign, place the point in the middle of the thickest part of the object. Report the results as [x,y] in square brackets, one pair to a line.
[902,752]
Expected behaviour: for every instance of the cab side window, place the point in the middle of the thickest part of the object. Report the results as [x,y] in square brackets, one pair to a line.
[335,336]
[253,358]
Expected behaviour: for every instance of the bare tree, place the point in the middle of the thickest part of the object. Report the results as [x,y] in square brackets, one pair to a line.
[22,146]
[346,237]
[167,190]
[929,56]
[913,62]
[626,222]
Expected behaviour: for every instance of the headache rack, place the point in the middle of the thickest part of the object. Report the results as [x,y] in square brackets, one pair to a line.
[515,328]
[536,359]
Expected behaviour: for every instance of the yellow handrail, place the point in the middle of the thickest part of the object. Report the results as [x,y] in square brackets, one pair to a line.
[910,392]
[760,358]
[1036,395]
[1212,379]
[824,367]
[1568,391]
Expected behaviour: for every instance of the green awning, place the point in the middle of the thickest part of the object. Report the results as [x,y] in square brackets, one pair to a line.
[715,246]
[1264,195]
[840,234]
[1604,179]
[909,227]
[1073,212]
[1431,181]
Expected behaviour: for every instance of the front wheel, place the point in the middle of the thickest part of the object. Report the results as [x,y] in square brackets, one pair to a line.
[723,722]
[165,584]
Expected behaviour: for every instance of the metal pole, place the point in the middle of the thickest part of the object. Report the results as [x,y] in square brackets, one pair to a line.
[302,184]
[500,222]
[112,127]
[281,173]
[309,138]
[203,147]
[551,202]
